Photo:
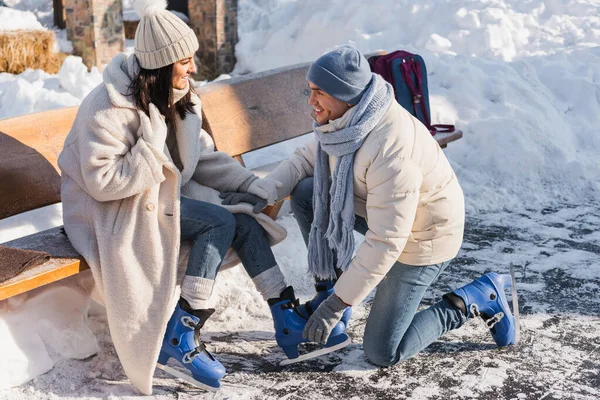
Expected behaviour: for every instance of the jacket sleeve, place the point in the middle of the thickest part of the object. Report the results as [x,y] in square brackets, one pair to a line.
[111,167]
[393,194]
[298,166]
[219,170]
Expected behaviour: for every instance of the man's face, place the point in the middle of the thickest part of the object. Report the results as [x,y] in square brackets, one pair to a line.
[325,107]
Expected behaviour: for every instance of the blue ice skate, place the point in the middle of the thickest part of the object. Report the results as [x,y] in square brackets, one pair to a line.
[324,290]
[289,325]
[485,297]
[182,342]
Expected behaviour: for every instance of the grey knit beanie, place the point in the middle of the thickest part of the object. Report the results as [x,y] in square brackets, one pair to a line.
[161,37]
[343,73]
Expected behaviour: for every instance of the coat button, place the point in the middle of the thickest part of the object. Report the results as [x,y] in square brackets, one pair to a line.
[150,207]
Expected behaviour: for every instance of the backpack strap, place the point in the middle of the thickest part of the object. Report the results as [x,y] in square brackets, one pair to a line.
[417,93]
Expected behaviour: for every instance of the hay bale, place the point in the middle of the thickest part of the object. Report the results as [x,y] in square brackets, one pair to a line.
[24,49]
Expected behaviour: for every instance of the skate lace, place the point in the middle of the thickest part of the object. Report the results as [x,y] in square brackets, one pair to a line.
[489,322]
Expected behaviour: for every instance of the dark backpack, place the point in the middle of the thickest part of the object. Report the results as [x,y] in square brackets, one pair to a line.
[407,73]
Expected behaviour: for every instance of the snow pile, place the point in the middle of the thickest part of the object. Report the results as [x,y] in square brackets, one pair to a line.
[42,9]
[49,327]
[520,79]
[35,91]
[13,20]
[32,91]
[76,79]
[275,33]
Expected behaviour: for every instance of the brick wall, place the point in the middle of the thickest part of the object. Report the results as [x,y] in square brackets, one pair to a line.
[96,29]
[215,24]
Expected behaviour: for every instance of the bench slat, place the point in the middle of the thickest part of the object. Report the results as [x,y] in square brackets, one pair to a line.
[65,262]
[51,271]
[44,131]
[444,138]
[257,110]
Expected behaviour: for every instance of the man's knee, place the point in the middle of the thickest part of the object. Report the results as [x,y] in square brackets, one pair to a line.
[378,353]
[379,358]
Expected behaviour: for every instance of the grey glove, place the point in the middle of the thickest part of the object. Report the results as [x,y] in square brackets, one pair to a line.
[324,319]
[233,198]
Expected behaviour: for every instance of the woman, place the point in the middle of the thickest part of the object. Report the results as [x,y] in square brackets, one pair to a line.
[374,168]
[139,176]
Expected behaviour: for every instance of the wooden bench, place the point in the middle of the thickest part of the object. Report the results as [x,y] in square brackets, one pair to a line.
[242,114]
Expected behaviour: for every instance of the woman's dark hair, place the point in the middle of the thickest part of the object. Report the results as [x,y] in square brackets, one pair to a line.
[156,86]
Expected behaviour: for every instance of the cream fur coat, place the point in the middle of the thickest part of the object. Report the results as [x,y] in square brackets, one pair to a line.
[120,197]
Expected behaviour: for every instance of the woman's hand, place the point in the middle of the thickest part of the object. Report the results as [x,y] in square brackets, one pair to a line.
[233,198]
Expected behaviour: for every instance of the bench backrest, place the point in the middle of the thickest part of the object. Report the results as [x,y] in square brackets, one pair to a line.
[29,149]
[257,110]
[242,114]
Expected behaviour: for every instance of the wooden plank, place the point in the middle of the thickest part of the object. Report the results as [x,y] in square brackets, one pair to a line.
[29,149]
[65,262]
[444,138]
[44,131]
[257,110]
[59,14]
[51,271]
[27,180]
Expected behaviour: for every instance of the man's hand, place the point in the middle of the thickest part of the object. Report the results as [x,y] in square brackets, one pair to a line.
[321,323]
[233,198]
[265,188]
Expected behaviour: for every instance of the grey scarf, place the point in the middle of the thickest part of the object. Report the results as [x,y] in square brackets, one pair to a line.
[333,204]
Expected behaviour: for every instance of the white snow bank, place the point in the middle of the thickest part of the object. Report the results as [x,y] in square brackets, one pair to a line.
[50,326]
[35,90]
[43,10]
[12,20]
[522,80]
[76,79]
[275,33]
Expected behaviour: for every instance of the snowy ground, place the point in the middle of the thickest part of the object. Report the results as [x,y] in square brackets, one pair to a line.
[521,78]
[556,253]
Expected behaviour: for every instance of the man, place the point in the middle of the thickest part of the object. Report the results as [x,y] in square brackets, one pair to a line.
[376,169]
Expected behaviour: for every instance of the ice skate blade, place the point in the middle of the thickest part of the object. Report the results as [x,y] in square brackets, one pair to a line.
[316,353]
[187,378]
[515,301]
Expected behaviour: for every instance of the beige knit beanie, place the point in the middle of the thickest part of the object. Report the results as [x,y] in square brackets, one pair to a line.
[161,37]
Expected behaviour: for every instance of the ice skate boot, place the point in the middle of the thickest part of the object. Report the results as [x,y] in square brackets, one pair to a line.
[324,290]
[182,342]
[485,297]
[289,325]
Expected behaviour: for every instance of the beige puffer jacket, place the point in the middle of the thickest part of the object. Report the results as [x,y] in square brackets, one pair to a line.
[404,187]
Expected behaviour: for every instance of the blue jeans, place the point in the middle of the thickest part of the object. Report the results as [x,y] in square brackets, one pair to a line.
[394,330]
[252,245]
[212,229]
